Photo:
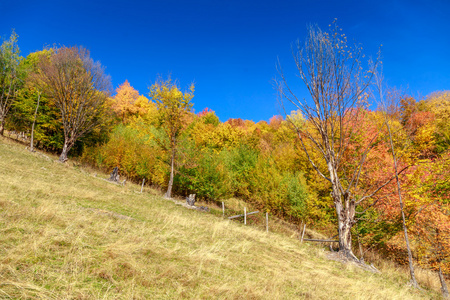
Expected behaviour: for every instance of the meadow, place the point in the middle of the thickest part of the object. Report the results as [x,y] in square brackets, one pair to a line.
[68,234]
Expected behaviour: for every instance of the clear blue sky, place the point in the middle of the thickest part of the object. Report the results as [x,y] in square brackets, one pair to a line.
[229,48]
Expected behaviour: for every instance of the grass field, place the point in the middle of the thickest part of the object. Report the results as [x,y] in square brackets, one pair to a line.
[66,234]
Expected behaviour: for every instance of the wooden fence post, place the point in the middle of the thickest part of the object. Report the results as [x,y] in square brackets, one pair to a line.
[245,216]
[223,209]
[142,187]
[304,229]
[267,222]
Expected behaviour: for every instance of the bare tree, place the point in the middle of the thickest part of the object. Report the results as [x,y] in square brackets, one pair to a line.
[9,76]
[78,86]
[389,107]
[336,81]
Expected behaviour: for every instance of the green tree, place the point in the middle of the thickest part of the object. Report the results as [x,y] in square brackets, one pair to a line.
[48,130]
[173,106]
[9,76]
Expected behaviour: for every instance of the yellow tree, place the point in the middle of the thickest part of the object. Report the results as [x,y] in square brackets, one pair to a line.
[124,100]
[144,107]
[439,105]
[173,106]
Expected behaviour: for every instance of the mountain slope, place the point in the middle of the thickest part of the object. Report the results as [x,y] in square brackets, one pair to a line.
[68,234]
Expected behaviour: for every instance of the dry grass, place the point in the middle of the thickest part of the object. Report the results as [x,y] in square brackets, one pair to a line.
[65,234]
[425,278]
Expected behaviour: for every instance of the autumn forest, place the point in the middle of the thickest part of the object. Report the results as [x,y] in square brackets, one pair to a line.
[357,159]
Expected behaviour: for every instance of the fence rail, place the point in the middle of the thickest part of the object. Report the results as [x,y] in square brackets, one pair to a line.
[323,241]
[238,216]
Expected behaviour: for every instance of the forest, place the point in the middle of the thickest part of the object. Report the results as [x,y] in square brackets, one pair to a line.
[359,159]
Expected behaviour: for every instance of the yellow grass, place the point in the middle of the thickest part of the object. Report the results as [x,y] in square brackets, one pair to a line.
[65,234]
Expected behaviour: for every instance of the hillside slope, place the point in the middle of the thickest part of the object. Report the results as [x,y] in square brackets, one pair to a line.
[68,234]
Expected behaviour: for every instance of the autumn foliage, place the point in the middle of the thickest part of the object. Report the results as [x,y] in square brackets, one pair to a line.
[263,163]
[160,138]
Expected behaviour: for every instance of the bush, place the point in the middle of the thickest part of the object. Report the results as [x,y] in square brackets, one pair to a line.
[130,151]
[203,175]
[240,165]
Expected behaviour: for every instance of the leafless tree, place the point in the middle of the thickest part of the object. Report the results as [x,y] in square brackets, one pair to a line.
[78,86]
[9,76]
[334,76]
[389,108]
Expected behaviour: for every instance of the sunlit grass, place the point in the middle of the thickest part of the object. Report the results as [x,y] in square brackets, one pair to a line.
[65,234]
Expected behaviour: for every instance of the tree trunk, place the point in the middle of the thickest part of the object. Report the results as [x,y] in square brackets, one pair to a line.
[345,211]
[399,191]
[114,175]
[408,248]
[444,288]
[67,145]
[346,220]
[345,238]
[169,188]
[2,126]
[34,122]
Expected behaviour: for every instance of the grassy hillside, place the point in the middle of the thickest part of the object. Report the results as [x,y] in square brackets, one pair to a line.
[68,234]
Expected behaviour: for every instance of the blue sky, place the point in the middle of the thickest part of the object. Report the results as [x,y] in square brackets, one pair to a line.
[229,48]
